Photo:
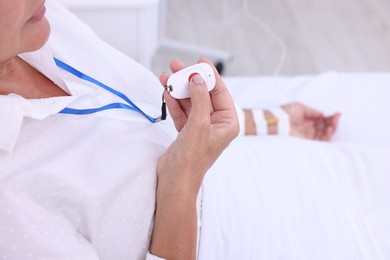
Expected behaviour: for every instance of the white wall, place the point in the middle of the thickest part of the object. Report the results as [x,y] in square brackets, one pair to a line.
[129,25]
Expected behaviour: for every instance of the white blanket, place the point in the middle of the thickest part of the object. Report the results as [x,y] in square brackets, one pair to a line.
[287,198]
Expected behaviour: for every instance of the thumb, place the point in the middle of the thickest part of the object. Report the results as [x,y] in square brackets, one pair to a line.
[200,98]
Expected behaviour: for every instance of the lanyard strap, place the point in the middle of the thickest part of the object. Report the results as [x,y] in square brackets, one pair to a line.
[129,106]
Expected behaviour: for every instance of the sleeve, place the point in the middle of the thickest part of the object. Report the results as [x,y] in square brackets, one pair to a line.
[241,119]
[149,256]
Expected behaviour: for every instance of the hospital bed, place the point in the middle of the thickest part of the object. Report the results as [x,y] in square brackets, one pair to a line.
[275,197]
[278,197]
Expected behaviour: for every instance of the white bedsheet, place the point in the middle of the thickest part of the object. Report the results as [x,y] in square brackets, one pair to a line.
[287,198]
[362,98]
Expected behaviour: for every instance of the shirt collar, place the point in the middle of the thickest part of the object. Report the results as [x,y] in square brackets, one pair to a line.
[14,108]
[42,60]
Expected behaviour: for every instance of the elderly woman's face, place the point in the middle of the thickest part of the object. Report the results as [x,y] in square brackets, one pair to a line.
[23,27]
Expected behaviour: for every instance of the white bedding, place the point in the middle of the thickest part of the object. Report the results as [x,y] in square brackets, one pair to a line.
[287,198]
[362,98]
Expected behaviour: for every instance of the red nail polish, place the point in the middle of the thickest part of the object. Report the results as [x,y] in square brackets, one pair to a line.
[196,78]
[190,77]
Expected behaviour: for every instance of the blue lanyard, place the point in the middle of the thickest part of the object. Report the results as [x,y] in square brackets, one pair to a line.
[129,104]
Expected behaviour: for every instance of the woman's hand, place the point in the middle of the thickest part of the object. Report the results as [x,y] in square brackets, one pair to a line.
[207,123]
[309,123]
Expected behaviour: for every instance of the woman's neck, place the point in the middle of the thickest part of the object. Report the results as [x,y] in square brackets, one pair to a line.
[4,68]
[9,78]
[18,77]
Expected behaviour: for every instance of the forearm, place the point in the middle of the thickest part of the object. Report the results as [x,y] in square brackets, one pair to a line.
[175,230]
[180,171]
[293,119]
[250,126]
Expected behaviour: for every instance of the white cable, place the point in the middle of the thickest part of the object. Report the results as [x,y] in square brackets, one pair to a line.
[272,33]
[276,38]
[232,19]
[208,24]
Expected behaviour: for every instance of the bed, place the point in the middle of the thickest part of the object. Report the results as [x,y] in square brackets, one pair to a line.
[275,197]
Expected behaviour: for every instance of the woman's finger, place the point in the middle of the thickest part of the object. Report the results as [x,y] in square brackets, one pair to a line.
[176,65]
[224,112]
[201,102]
[164,78]
[329,131]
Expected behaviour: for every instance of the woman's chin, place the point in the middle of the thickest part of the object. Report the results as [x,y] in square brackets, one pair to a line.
[40,36]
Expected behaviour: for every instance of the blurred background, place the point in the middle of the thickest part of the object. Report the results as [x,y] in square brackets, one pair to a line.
[247,37]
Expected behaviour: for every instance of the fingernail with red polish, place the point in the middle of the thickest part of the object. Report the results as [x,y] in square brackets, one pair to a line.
[196,78]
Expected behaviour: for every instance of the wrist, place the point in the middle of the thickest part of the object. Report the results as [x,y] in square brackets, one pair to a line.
[260,122]
[266,122]
[272,122]
[177,181]
[282,121]
[177,188]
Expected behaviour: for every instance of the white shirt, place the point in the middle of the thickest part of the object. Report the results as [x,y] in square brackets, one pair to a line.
[80,187]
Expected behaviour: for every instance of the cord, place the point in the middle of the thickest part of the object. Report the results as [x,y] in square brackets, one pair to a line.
[209,24]
[272,33]
[231,20]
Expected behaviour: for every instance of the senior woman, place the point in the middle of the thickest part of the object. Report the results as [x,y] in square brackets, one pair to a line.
[83,185]
[87,169]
